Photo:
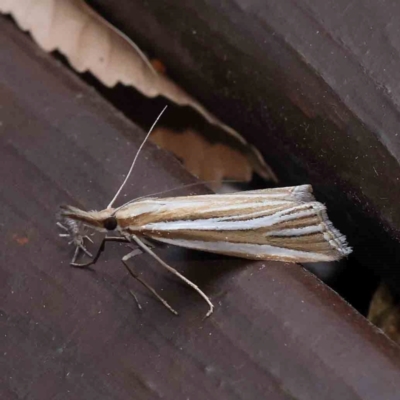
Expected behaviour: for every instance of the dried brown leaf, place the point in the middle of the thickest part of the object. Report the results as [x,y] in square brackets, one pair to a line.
[384,312]
[210,162]
[92,44]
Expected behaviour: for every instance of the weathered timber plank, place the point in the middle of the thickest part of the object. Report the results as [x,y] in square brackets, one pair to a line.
[277,333]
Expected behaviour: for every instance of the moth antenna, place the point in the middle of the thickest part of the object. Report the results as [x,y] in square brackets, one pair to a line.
[136,157]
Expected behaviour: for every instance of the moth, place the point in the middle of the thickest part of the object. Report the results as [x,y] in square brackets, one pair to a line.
[284,224]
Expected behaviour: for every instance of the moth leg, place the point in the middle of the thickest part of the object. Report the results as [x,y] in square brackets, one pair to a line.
[84,249]
[68,234]
[98,253]
[63,227]
[136,299]
[175,272]
[148,243]
[143,282]
[75,255]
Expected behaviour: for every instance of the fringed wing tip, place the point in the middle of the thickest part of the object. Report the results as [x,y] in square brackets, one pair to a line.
[339,242]
[333,236]
[336,239]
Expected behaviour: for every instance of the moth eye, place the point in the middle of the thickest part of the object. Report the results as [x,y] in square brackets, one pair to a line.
[110,223]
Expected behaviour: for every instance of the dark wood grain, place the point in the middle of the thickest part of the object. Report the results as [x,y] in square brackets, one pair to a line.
[277,333]
[313,84]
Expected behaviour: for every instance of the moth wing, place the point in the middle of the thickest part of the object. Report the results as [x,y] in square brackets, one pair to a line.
[283,225]
[302,193]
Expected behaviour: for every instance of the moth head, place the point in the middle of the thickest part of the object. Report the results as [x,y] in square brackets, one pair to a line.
[76,219]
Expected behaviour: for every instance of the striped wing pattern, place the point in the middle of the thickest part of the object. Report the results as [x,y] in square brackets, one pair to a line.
[284,224]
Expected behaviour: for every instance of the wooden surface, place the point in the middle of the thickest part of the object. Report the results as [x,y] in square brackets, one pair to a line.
[277,332]
[313,84]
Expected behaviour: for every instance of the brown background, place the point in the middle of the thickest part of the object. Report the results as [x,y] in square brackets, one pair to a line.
[277,333]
